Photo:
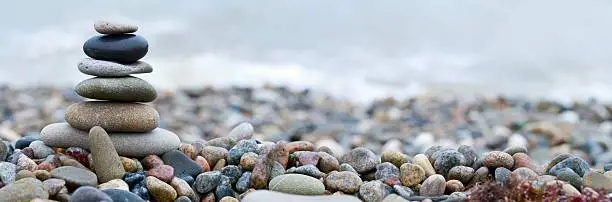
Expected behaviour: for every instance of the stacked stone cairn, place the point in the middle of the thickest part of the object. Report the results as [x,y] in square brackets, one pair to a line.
[115,122]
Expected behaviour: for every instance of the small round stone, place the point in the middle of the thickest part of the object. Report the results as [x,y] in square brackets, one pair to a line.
[123,48]
[183,189]
[299,146]
[189,150]
[8,172]
[42,174]
[213,154]
[41,150]
[523,174]
[203,163]
[307,158]
[297,184]
[411,174]
[556,160]
[461,173]
[387,173]
[10,177]
[523,160]
[361,159]
[481,175]
[578,165]
[515,150]
[23,190]
[244,146]
[454,186]
[373,191]
[423,161]
[107,27]
[309,170]
[248,161]
[495,159]
[433,186]
[344,181]
[25,163]
[244,182]
[21,143]
[224,142]
[207,181]
[502,175]
[163,172]
[242,131]
[469,153]
[112,116]
[447,159]
[396,158]
[152,161]
[87,194]
[160,190]
[121,89]
[327,162]
[102,68]
[54,186]
[347,167]
[129,165]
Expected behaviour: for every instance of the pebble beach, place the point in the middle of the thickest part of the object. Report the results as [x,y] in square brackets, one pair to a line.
[115,137]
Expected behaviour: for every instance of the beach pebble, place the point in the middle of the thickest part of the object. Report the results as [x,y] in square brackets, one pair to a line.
[578,165]
[75,177]
[433,186]
[394,198]
[122,195]
[25,163]
[156,142]
[469,154]
[244,182]
[42,174]
[8,172]
[297,184]
[361,159]
[495,159]
[213,154]
[129,165]
[447,159]
[11,178]
[396,158]
[327,162]
[114,184]
[236,152]
[163,172]
[344,181]
[229,199]
[309,170]
[224,142]
[160,190]
[106,161]
[242,131]
[555,161]
[41,150]
[121,89]
[181,163]
[102,68]
[387,173]
[514,150]
[568,175]
[523,174]
[21,143]
[265,196]
[299,146]
[112,116]
[373,191]
[403,191]
[502,175]
[54,186]
[307,158]
[248,161]
[123,48]
[207,181]
[87,194]
[183,189]
[423,161]
[481,175]
[347,167]
[152,161]
[454,186]
[596,180]
[461,173]
[607,167]
[411,174]
[23,190]
[107,27]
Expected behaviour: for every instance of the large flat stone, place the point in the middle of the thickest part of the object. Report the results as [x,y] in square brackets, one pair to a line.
[122,89]
[103,68]
[112,116]
[157,141]
[266,196]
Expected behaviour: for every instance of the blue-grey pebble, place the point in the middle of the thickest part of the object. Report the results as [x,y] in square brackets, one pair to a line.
[89,194]
[8,172]
[447,159]
[310,170]
[182,199]
[502,175]
[223,191]
[469,153]
[24,141]
[244,182]
[141,191]
[243,147]
[207,181]
[120,195]
[568,175]
[578,165]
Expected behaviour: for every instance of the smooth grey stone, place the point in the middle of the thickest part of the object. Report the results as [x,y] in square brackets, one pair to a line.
[103,68]
[108,27]
[122,89]
[267,196]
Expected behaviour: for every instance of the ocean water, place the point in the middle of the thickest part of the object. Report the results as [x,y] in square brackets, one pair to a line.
[354,49]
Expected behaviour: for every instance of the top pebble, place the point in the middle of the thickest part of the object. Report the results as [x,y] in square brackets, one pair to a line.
[106,27]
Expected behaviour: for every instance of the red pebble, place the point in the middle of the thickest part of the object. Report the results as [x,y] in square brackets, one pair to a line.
[163,172]
[79,154]
[152,161]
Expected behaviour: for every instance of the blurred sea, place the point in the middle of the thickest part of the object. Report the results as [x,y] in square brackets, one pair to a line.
[354,49]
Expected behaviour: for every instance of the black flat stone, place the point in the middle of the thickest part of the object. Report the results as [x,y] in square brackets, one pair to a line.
[122,48]
[181,163]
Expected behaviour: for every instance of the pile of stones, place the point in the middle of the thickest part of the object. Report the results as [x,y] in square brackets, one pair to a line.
[118,97]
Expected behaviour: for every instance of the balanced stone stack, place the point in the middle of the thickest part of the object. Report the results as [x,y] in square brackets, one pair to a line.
[118,97]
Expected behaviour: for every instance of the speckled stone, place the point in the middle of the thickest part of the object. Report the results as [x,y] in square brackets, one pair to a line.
[86,194]
[102,68]
[309,170]
[112,116]
[596,180]
[297,184]
[236,152]
[523,174]
[242,131]
[115,184]
[578,165]
[556,160]
[161,191]
[495,159]
[207,181]
[411,174]
[40,150]
[8,172]
[502,175]
[373,191]
[361,159]
[23,190]
[107,27]
[248,161]
[265,196]
[121,89]
[344,181]
[447,159]
[454,186]
[183,189]
[469,153]
[213,154]
[327,162]
[461,173]
[396,158]
[568,175]
[388,173]
[158,141]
